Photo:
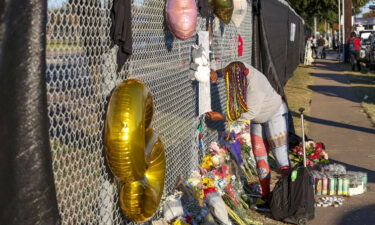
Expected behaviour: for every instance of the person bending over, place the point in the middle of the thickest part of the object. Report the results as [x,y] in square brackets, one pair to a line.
[251,93]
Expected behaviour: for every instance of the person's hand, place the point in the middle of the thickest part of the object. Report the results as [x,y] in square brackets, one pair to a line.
[215,116]
[213,76]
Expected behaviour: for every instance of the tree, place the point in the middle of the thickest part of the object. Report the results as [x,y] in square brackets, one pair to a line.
[324,10]
[369,14]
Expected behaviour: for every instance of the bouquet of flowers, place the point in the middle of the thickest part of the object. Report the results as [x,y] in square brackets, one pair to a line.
[217,185]
[315,153]
[238,142]
[182,220]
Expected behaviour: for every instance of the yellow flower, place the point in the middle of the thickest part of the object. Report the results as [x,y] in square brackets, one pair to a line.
[208,182]
[179,222]
[207,162]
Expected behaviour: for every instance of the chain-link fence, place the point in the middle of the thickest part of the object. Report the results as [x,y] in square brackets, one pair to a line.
[81,73]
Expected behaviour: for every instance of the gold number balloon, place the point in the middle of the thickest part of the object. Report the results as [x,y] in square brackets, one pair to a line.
[223,9]
[135,154]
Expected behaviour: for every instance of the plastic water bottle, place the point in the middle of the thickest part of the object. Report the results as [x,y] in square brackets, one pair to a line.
[339,185]
[324,185]
[318,185]
[332,185]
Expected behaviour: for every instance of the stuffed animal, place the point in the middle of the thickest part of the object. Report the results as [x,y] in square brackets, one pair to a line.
[200,64]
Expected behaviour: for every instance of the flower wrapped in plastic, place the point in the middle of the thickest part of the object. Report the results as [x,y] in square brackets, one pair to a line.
[315,153]
[238,141]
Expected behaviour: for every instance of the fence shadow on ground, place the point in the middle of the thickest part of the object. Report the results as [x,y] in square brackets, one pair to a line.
[327,65]
[363,216]
[336,124]
[343,78]
[342,92]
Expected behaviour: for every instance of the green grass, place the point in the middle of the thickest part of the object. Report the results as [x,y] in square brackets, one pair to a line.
[364,84]
[299,95]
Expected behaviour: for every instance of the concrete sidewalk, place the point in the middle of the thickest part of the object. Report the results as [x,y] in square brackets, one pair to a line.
[338,121]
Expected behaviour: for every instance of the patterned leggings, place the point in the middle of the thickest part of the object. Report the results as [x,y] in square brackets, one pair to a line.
[271,135]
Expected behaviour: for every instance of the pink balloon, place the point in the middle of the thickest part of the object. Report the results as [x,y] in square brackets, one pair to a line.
[182,18]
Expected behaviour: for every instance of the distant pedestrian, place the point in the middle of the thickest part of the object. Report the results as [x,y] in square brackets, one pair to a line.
[325,47]
[321,44]
[354,46]
[309,55]
[313,47]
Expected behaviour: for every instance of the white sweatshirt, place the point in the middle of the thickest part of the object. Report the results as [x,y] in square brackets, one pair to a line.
[262,100]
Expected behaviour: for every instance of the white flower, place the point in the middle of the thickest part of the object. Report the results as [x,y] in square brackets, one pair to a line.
[309,144]
[216,160]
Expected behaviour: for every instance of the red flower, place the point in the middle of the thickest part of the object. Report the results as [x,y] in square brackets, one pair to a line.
[188,219]
[309,162]
[229,190]
[319,145]
[312,156]
[315,156]
[318,150]
[208,191]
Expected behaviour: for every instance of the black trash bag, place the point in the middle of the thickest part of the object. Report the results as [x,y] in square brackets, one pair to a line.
[292,200]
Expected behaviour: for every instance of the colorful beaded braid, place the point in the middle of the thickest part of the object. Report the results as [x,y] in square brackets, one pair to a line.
[236,87]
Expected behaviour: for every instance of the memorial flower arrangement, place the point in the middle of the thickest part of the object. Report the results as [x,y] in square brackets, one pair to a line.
[217,184]
[238,142]
[221,187]
[182,220]
[315,153]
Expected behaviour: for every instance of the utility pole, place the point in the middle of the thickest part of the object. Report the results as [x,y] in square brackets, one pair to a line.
[348,17]
[325,26]
[315,25]
[339,37]
[343,29]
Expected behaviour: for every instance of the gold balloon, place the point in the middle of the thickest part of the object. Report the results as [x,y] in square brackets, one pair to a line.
[223,9]
[135,154]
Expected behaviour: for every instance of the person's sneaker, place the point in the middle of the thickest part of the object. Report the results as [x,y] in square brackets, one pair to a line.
[263,205]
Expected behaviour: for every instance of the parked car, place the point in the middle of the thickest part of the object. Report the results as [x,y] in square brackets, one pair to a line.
[365,36]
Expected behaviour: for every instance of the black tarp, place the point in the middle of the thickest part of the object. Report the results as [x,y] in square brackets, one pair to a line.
[277,52]
[27,191]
